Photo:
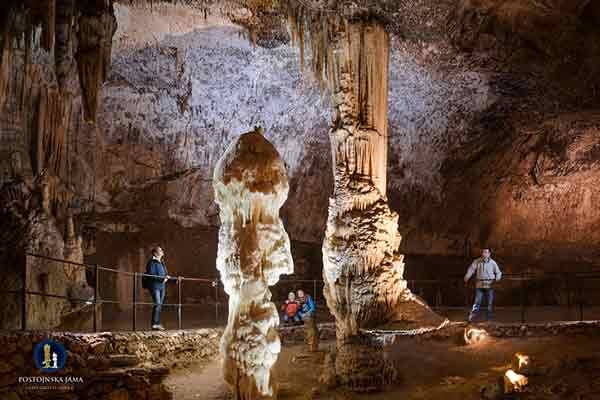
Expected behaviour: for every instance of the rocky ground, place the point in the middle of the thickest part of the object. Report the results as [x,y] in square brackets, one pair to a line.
[566,365]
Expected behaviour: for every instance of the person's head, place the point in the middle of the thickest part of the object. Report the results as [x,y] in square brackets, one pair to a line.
[486,253]
[291,296]
[300,294]
[158,252]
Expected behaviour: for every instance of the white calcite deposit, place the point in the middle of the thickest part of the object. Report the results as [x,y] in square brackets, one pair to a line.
[251,185]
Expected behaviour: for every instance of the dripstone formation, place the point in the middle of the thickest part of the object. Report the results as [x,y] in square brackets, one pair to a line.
[362,269]
[251,185]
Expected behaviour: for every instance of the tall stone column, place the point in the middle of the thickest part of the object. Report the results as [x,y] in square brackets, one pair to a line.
[251,185]
[362,268]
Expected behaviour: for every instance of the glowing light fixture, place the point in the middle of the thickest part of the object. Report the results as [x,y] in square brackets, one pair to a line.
[474,335]
[522,361]
[514,382]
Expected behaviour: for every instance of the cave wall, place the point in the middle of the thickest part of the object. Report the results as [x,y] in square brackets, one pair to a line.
[518,169]
[487,145]
[40,115]
[493,131]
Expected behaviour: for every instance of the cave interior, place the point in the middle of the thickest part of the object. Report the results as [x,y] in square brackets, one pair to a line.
[359,155]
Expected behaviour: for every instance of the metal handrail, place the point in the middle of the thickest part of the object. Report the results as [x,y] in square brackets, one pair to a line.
[95,300]
[574,282]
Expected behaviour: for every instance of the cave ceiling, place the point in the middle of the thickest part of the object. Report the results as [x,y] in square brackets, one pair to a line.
[493,107]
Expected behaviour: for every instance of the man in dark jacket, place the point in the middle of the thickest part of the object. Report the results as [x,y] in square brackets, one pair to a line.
[155,282]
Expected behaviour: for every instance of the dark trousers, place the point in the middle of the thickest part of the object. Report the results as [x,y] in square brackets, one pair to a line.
[158,297]
[479,295]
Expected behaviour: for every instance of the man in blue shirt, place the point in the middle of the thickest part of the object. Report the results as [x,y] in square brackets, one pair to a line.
[155,281]
[307,305]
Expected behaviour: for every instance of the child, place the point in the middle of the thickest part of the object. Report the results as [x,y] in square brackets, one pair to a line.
[290,309]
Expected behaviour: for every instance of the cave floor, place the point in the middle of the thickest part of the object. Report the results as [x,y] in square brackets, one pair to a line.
[429,369]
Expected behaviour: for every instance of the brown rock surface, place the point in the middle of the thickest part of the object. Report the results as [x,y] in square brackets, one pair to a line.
[493,130]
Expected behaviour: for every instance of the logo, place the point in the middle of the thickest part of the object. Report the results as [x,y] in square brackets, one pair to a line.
[49,355]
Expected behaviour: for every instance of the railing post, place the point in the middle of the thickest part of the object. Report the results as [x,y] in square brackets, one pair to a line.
[96,291]
[215,283]
[24,293]
[522,298]
[567,279]
[581,289]
[179,281]
[134,299]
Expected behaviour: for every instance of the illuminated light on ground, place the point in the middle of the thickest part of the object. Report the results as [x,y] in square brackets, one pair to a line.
[474,335]
[514,382]
[522,361]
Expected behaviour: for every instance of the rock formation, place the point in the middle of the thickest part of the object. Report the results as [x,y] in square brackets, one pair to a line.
[362,269]
[493,126]
[97,26]
[40,109]
[251,185]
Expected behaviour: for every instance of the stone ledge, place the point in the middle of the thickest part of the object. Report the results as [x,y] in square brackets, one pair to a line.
[295,333]
[507,330]
[111,363]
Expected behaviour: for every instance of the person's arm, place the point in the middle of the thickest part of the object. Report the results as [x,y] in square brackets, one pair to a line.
[497,272]
[470,271]
[311,305]
[163,272]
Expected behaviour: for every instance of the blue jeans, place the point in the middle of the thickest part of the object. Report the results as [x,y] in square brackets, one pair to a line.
[479,293]
[287,318]
[158,297]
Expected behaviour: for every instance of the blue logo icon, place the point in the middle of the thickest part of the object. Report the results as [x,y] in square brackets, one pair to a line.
[49,355]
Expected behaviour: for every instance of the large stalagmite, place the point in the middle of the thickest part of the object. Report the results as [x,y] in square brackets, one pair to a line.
[363,271]
[251,185]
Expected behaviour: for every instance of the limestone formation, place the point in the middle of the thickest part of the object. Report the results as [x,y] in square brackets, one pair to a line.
[40,108]
[311,334]
[64,34]
[96,29]
[362,269]
[251,185]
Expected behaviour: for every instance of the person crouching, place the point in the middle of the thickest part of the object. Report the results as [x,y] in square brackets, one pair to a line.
[290,310]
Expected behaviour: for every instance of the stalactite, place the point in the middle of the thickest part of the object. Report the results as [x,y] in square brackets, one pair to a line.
[96,29]
[48,24]
[34,118]
[5,64]
[63,57]
[53,113]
